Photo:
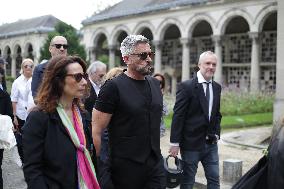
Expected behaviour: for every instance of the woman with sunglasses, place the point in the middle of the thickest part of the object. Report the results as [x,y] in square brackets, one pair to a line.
[56,135]
[19,98]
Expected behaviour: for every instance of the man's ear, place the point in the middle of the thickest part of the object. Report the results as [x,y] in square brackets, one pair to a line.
[125,59]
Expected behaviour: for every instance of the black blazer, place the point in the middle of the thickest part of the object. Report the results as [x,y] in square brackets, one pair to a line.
[190,123]
[50,161]
[90,101]
[5,104]
[37,77]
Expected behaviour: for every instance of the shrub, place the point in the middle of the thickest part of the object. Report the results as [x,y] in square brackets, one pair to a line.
[233,103]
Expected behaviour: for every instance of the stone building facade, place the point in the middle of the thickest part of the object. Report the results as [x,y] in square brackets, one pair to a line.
[243,34]
[23,39]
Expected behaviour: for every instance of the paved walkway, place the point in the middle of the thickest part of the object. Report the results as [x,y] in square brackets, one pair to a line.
[237,146]
[242,151]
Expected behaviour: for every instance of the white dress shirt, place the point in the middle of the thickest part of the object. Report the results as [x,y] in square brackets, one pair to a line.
[96,87]
[19,94]
[203,81]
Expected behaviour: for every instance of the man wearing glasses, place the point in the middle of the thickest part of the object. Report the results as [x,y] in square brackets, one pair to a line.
[58,47]
[130,105]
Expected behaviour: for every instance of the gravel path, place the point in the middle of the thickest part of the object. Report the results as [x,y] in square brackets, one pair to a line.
[248,155]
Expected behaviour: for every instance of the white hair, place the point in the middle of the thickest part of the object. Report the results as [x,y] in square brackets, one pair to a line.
[24,61]
[129,43]
[205,54]
[94,66]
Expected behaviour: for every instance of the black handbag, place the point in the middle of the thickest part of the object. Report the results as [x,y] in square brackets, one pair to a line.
[173,176]
[256,177]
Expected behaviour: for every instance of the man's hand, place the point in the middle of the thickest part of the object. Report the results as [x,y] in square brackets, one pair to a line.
[174,151]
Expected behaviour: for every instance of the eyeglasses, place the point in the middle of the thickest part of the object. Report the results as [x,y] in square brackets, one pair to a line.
[144,55]
[58,46]
[78,76]
[28,66]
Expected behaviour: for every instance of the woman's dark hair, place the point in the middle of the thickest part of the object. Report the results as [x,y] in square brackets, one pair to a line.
[52,85]
[163,79]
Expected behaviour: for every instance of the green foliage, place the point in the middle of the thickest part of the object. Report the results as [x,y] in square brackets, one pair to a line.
[70,33]
[103,58]
[247,120]
[238,109]
[9,78]
[233,103]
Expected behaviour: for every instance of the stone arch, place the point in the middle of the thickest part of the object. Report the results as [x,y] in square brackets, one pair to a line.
[196,19]
[229,15]
[165,25]
[29,50]
[116,32]
[7,55]
[142,25]
[97,34]
[263,14]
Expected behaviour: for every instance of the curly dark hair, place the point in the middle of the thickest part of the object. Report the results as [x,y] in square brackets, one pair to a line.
[51,88]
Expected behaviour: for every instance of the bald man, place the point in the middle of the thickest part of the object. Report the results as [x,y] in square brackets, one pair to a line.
[57,47]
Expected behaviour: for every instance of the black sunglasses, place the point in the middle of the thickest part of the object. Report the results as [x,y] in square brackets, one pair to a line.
[144,55]
[78,76]
[28,66]
[58,46]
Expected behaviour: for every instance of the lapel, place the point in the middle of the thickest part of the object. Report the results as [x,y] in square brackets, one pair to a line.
[93,92]
[201,97]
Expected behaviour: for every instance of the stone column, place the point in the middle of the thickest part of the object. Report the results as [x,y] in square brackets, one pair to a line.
[185,59]
[92,54]
[13,65]
[158,56]
[174,85]
[254,72]
[36,58]
[279,96]
[112,49]
[218,51]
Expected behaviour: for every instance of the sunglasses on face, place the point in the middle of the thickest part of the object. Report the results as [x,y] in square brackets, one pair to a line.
[78,76]
[58,46]
[144,55]
[28,66]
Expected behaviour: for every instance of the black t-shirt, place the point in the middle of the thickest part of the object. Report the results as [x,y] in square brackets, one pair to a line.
[108,97]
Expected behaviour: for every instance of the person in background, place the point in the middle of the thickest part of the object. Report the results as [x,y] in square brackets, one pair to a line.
[131,104]
[19,98]
[195,128]
[57,47]
[2,75]
[96,72]
[161,79]
[57,139]
[275,173]
[5,109]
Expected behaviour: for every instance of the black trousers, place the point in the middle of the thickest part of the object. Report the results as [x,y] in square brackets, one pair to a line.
[18,136]
[128,174]
[1,159]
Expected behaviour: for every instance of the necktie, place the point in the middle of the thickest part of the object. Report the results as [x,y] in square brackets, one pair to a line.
[207,94]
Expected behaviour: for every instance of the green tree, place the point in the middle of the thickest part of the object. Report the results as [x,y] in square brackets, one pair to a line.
[72,36]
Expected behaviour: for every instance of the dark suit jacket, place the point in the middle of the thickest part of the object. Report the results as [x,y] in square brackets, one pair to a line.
[3,82]
[90,101]
[37,77]
[5,104]
[51,155]
[190,123]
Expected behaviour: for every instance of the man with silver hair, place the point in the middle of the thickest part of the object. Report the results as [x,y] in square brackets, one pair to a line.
[130,105]
[96,72]
[195,129]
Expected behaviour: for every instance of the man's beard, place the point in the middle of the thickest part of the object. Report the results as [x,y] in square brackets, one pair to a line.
[147,70]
